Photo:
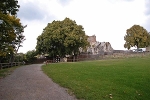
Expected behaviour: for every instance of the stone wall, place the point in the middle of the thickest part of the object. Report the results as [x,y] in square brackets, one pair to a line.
[148,48]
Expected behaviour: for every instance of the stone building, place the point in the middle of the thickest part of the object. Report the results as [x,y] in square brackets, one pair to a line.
[97,47]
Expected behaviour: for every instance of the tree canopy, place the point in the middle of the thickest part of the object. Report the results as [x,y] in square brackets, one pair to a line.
[9,7]
[11,29]
[30,56]
[61,38]
[137,37]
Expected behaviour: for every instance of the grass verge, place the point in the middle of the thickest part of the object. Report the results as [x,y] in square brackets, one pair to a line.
[117,79]
[7,71]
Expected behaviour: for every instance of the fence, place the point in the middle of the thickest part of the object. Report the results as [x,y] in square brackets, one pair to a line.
[7,65]
[86,57]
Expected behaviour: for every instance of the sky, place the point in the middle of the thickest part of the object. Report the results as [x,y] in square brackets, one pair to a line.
[108,20]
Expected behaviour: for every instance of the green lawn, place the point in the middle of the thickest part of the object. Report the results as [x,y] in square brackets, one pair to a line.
[117,79]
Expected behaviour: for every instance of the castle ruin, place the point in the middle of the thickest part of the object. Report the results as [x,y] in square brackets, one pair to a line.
[97,47]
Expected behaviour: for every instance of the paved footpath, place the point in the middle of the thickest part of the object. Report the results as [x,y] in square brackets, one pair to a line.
[30,83]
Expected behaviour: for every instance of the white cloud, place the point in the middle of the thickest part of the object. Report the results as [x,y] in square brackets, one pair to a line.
[107,19]
[33,30]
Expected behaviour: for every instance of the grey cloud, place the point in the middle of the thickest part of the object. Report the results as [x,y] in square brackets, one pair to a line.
[147,13]
[147,4]
[31,11]
[147,25]
[114,1]
[128,0]
[64,2]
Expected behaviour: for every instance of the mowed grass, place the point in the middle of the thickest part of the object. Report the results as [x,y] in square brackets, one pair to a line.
[117,79]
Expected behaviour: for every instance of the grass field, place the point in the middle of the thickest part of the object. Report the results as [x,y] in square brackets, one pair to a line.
[117,79]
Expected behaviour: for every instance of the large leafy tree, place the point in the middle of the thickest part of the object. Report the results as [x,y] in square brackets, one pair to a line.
[9,6]
[30,56]
[137,37]
[61,38]
[11,29]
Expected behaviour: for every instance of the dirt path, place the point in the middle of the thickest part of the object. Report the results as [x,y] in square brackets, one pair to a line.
[30,83]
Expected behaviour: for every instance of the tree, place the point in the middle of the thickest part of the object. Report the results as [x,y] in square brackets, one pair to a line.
[11,29]
[20,57]
[9,7]
[62,38]
[137,37]
[11,35]
[30,56]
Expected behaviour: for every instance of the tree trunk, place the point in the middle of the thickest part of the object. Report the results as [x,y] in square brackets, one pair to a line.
[74,57]
[11,60]
[137,47]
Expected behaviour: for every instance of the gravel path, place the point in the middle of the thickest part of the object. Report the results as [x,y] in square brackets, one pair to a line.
[30,83]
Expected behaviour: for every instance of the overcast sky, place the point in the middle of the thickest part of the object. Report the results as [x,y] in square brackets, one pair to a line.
[107,19]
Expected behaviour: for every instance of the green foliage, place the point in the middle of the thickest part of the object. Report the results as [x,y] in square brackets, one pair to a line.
[7,35]
[9,6]
[11,30]
[11,35]
[20,57]
[125,79]
[137,36]
[30,56]
[61,38]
